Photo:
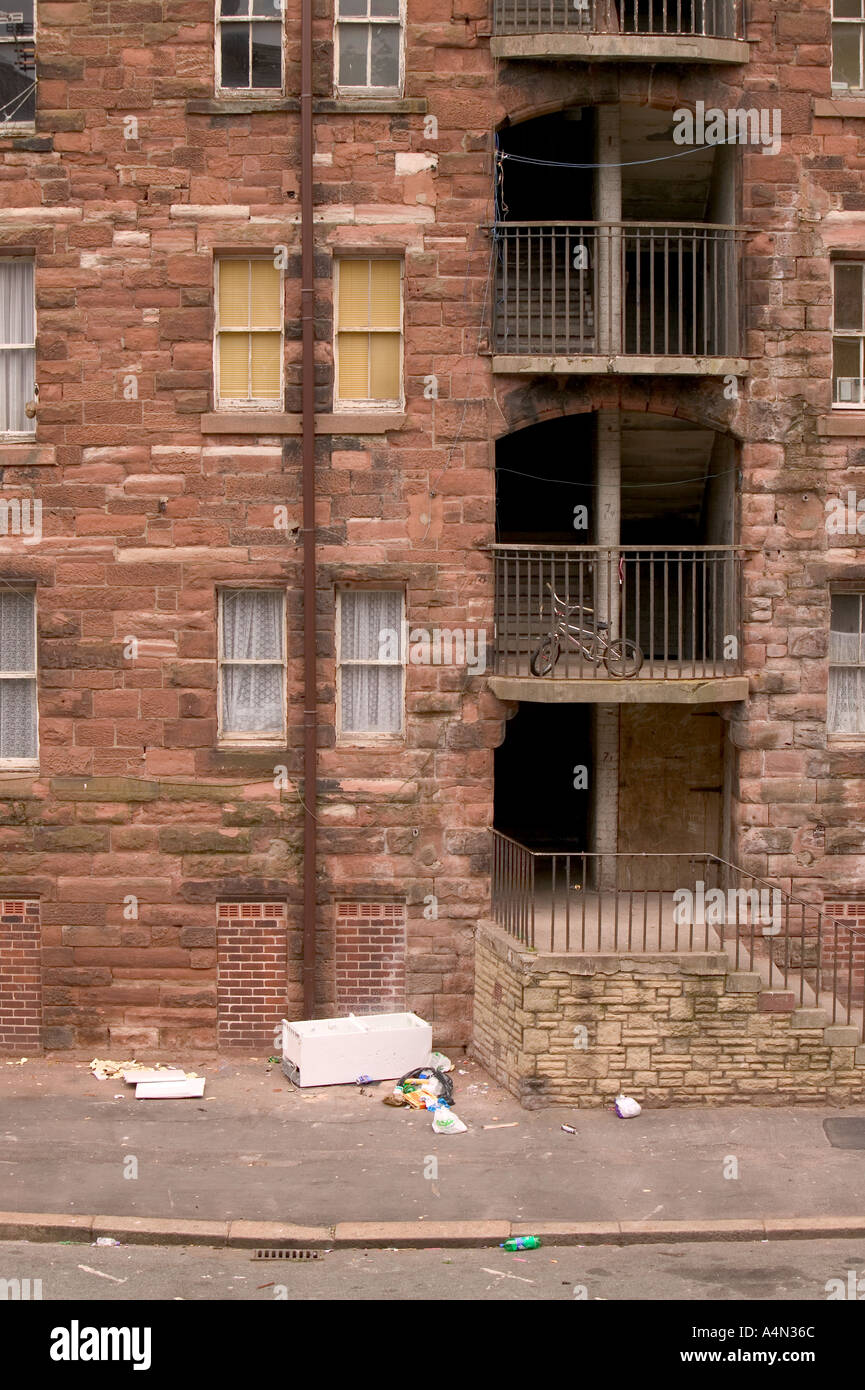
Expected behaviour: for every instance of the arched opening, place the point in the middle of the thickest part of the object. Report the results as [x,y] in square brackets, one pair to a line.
[617,589]
[615,236]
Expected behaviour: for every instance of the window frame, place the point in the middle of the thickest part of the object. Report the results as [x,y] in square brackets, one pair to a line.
[849,335]
[257,738]
[22,436]
[847,21]
[343,89]
[270,404]
[22,127]
[246,93]
[368,404]
[369,736]
[26,764]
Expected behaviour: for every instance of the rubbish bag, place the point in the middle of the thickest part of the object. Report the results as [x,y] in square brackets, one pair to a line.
[627,1107]
[446,1122]
[421,1074]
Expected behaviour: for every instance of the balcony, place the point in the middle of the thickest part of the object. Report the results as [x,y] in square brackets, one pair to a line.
[641,31]
[617,297]
[618,625]
[585,903]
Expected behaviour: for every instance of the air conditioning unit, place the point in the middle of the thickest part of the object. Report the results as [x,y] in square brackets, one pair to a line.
[848,389]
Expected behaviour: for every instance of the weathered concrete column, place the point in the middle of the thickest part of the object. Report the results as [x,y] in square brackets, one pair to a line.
[608,208]
[605,720]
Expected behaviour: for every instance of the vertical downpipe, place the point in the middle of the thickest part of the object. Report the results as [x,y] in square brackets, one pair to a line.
[307,301]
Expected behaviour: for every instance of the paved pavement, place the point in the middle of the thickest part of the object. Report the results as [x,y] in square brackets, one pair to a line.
[256,1148]
[795,1271]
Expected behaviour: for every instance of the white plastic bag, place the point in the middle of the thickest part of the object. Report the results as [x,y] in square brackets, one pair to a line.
[446,1122]
[627,1107]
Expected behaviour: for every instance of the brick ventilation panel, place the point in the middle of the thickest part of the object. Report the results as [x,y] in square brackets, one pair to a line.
[20,976]
[370,957]
[844,944]
[251,974]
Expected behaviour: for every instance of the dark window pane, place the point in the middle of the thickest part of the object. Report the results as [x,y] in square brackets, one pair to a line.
[234,7]
[352,54]
[385,55]
[847,9]
[353,8]
[235,55]
[848,297]
[845,55]
[22,28]
[384,7]
[17,75]
[268,9]
[267,55]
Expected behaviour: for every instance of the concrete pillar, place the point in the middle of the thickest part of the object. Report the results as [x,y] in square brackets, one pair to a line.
[605,720]
[608,208]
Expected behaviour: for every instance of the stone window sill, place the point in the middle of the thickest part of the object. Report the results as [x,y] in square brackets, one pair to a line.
[851,104]
[842,422]
[322,106]
[280,422]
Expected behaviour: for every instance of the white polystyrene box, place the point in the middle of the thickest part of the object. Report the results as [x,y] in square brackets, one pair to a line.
[335,1051]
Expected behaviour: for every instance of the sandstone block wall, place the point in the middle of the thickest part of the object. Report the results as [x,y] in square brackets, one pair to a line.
[666,1029]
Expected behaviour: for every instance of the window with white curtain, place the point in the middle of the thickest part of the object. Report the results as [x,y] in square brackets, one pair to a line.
[370,661]
[252,665]
[18,737]
[846,704]
[17,345]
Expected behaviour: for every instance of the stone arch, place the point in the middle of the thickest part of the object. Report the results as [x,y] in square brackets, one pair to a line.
[532,403]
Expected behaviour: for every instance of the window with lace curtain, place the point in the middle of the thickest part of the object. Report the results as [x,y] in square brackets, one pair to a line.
[846,701]
[252,666]
[370,669]
[17,346]
[18,719]
[249,329]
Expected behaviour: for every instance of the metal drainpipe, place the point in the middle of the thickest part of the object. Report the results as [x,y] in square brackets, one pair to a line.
[307,311]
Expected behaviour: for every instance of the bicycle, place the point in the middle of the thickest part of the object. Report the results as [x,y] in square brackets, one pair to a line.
[621,657]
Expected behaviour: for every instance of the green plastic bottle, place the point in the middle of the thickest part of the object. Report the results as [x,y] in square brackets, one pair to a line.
[520,1243]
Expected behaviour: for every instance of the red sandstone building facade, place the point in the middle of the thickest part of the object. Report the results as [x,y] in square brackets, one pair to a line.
[588,325]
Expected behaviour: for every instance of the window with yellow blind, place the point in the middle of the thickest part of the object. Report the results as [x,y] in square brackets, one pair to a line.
[369,331]
[249,324]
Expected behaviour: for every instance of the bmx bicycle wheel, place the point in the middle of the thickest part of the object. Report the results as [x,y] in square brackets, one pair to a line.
[545,656]
[623,658]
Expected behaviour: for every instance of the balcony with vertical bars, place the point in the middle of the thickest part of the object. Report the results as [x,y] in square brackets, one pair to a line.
[636,31]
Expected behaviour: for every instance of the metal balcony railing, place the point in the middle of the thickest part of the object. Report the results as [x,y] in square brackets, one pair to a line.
[715,19]
[616,288]
[612,612]
[579,902]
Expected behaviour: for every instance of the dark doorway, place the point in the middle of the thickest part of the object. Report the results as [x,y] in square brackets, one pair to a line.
[536,801]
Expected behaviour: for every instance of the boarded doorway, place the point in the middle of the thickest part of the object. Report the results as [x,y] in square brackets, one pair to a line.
[670,786]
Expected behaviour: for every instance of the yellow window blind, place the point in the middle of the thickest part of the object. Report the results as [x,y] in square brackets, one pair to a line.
[249,303]
[369,339]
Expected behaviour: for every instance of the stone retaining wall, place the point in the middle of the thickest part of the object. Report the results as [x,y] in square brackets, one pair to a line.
[666,1028]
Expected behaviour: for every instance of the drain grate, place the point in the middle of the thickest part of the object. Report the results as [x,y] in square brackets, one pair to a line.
[287,1254]
[846,1133]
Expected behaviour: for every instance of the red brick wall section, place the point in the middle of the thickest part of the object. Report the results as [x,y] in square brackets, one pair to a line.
[20,976]
[844,944]
[370,957]
[251,974]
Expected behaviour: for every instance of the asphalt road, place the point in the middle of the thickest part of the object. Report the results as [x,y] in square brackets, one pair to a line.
[795,1271]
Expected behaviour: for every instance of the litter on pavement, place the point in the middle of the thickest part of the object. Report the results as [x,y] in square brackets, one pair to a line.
[626,1107]
[151,1083]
